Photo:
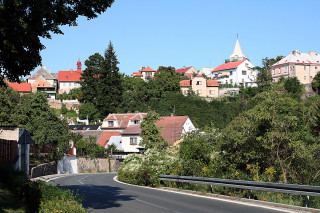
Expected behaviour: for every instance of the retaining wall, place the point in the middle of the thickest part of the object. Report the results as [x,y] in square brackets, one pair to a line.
[98,165]
[44,169]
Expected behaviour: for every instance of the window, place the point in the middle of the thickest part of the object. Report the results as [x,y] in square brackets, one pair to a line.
[211,92]
[199,83]
[247,65]
[273,72]
[305,77]
[198,92]
[243,80]
[110,123]
[230,72]
[133,141]
[286,69]
[304,67]
[185,84]
[136,121]
[148,74]
[185,92]
[279,70]
[244,72]
[231,82]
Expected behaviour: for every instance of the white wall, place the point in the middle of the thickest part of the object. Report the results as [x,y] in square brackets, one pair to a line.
[126,143]
[188,126]
[68,164]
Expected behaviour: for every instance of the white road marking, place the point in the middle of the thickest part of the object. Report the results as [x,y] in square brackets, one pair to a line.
[213,198]
[80,181]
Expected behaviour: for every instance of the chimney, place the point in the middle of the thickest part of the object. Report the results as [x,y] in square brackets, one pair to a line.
[172,114]
[44,67]
[49,70]
[294,52]
[312,53]
[71,71]
[143,68]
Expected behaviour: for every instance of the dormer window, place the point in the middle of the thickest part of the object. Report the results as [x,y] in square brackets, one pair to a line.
[110,123]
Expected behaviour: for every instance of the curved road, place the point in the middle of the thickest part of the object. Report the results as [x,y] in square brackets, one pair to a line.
[103,194]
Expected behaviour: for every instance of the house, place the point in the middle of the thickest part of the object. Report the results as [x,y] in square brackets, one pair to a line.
[304,66]
[189,72]
[172,128]
[236,70]
[44,81]
[106,136]
[69,79]
[120,122]
[145,73]
[201,86]
[21,88]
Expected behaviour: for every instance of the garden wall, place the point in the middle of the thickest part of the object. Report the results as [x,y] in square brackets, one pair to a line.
[98,165]
[44,169]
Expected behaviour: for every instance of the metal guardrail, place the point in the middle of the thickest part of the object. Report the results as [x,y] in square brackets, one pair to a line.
[305,190]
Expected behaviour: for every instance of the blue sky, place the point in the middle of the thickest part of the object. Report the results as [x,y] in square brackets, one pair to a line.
[187,33]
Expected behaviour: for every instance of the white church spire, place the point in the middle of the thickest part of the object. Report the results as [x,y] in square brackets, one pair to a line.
[237,52]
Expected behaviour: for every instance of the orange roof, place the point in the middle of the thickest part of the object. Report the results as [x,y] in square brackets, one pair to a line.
[69,75]
[183,70]
[229,65]
[148,69]
[185,83]
[212,83]
[172,127]
[22,87]
[136,74]
[105,137]
[123,119]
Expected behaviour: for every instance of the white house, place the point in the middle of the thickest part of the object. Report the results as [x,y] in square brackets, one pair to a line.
[236,70]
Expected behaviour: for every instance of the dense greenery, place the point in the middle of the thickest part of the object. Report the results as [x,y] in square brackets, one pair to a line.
[271,136]
[38,196]
[89,148]
[33,113]
[150,133]
[22,23]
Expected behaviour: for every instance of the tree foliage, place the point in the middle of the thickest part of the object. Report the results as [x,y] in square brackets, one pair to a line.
[150,132]
[24,22]
[102,82]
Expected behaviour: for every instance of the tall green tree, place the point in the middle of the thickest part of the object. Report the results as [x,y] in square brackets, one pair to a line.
[23,23]
[9,100]
[102,82]
[90,83]
[150,133]
[316,83]
[110,87]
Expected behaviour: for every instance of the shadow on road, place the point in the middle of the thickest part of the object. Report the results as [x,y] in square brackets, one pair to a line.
[99,197]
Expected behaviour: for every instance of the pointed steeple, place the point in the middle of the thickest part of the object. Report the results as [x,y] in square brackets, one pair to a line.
[237,52]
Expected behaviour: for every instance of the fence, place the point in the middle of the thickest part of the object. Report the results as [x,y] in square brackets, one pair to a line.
[8,151]
[305,190]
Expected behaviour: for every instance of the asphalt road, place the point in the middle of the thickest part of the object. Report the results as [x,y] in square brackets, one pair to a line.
[103,194]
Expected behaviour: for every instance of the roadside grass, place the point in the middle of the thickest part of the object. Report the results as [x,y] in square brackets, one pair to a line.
[8,202]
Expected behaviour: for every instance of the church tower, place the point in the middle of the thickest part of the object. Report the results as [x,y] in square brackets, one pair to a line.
[79,66]
[237,54]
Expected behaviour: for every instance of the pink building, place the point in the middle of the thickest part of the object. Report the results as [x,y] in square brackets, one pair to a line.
[304,66]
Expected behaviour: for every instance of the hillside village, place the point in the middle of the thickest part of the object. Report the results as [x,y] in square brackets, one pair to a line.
[123,129]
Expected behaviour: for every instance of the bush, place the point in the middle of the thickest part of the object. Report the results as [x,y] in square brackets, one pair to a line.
[38,196]
[145,169]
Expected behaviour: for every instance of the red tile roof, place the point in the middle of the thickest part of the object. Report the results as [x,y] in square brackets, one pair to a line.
[71,75]
[148,69]
[123,119]
[229,65]
[105,137]
[182,70]
[212,83]
[132,130]
[136,74]
[189,75]
[22,87]
[172,127]
[185,83]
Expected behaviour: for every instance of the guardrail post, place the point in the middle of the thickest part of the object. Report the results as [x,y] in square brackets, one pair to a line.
[181,184]
[250,194]
[307,201]
[210,186]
